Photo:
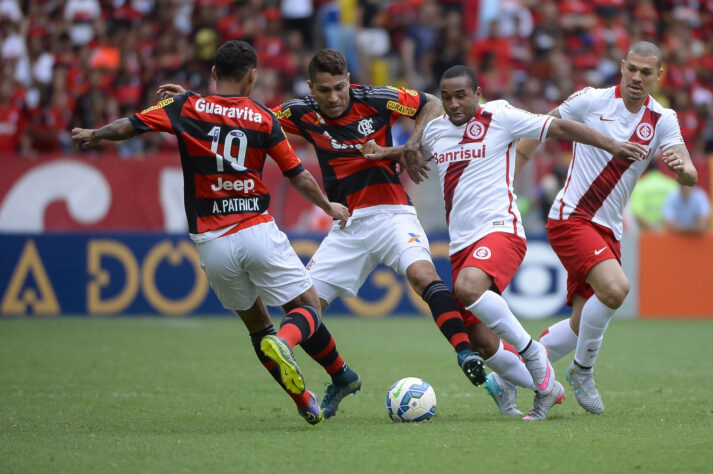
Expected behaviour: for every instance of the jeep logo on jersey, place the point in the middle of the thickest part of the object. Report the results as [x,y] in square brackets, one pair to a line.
[366,127]
[482,253]
[645,131]
[475,130]
[240,185]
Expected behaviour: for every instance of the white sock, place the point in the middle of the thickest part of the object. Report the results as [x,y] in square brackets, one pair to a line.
[510,367]
[595,319]
[559,339]
[493,310]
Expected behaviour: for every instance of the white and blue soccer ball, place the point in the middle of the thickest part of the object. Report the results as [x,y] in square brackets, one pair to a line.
[411,399]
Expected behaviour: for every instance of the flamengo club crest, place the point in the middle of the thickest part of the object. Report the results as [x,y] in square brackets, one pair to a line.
[366,126]
[475,130]
[645,131]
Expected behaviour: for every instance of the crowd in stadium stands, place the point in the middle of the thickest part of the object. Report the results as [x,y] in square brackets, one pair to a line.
[83,63]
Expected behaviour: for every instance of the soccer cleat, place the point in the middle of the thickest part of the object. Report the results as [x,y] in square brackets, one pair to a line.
[277,350]
[311,413]
[543,402]
[346,384]
[504,393]
[584,389]
[539,367]
[473,367]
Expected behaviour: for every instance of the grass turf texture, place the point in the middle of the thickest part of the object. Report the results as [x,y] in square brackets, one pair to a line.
[188,395]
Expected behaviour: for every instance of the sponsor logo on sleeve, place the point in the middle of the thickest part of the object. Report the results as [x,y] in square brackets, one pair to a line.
[400,108]
[159,105]
[284,113]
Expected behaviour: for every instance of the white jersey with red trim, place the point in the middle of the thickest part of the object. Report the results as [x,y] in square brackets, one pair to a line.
[476,163]
[598,186]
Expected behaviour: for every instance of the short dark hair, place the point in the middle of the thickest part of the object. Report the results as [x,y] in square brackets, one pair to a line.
[328,60]
[460,70]
[644,48]
[233,59]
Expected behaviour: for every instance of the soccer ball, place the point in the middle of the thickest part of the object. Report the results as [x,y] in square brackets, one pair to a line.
[411,399]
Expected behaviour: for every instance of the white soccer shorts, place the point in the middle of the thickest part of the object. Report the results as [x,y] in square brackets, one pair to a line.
[347,256]
[256,261]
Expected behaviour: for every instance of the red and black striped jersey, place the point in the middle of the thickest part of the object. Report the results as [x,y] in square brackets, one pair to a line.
[348,177]
[222,141]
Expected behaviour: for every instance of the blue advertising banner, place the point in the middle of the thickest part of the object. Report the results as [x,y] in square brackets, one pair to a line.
[159,274]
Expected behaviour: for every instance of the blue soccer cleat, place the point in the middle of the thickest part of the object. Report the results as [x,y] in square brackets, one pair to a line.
[346,384]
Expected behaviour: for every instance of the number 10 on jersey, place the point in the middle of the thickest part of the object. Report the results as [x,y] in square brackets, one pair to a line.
[239,160]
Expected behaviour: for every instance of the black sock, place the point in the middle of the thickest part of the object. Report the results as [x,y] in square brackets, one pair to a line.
[446,314]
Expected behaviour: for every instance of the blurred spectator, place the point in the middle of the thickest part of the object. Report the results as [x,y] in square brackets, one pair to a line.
[647,199]
[687,209]
[12,119]
[105,58]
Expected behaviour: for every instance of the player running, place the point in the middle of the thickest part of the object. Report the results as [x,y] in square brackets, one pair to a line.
[473,147]
[585,221]
[223,141]
[339,119]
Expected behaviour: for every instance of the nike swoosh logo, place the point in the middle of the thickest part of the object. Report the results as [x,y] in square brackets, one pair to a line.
[398,390]
[546,381]
[597,252]
[601,117]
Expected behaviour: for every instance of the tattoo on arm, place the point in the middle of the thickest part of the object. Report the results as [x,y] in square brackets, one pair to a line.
[411,157]
[118,130]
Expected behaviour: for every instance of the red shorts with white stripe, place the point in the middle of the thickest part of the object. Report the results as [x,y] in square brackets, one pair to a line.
[498,254]
[580,244]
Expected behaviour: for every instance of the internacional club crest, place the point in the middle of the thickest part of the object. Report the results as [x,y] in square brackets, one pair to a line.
[482,253]
[475,130]
[645,131]
[366,126]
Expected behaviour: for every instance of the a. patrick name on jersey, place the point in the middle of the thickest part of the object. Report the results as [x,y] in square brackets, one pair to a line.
[237,204]
[471,152]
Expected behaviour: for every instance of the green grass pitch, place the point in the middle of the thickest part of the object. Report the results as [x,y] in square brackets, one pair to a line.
[135,395]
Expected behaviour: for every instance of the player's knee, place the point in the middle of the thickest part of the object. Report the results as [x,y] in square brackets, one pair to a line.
[466,293]
[614,293]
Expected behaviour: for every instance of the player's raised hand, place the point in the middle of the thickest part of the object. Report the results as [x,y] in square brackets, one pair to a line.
[84,138]
[629,151]
[412,161]
[166,91]
[339,212]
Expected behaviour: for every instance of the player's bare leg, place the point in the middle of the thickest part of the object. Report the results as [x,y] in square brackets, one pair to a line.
[424,280]
[473,287]
[610,286]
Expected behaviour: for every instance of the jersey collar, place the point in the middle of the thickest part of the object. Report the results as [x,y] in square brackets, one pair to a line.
[617,95]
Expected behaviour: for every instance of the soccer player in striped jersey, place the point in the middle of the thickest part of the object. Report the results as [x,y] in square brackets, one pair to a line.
[339,118]
[473,147]
[223,143]
[585,221]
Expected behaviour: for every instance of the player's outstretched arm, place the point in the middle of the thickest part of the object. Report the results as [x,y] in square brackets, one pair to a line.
[578,132]
[679,161]
[308,187]
[526,148]
[118,130]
